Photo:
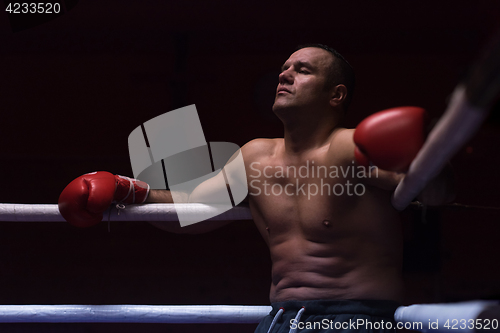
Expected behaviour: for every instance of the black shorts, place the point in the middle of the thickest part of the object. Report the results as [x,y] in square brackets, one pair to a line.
[332,316]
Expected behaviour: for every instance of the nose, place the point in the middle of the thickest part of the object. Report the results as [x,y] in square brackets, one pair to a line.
[286,77]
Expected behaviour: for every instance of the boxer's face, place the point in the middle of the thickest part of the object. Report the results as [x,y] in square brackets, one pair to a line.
[302,80]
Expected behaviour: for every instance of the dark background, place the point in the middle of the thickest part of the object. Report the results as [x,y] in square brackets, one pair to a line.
[72,90]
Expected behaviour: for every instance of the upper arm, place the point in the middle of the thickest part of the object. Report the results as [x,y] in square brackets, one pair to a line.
[217,186]
[373,176]
[231,180]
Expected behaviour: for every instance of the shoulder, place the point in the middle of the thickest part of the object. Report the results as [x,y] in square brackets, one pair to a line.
[260,148]
[342,144]
[343,136]
[267,144]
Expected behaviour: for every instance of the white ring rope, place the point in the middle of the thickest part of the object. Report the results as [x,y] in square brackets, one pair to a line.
[172,314]
[144,212]
[435,317]
[220,314]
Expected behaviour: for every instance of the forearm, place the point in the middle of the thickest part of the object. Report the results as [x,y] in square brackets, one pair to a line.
[159,196]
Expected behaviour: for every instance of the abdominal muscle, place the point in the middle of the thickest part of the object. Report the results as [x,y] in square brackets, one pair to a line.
[329,248]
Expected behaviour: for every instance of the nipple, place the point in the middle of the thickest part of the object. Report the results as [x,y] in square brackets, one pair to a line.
[267,228]
[326,223]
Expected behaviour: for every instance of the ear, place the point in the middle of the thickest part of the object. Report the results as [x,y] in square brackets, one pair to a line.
[339,94]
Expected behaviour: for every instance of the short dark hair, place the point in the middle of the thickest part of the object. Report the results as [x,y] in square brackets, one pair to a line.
[340,72]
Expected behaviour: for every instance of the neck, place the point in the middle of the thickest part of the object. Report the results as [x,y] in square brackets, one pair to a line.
[306,133]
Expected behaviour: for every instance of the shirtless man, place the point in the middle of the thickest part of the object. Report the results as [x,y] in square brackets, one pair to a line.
[334,238]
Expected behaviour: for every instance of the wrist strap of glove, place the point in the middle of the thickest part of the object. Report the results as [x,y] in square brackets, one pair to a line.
[130,190]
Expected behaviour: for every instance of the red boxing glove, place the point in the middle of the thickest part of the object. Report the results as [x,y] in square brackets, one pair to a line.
[390,139]
[84,200]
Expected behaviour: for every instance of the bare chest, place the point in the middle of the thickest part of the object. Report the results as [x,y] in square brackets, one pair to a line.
[308,197]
